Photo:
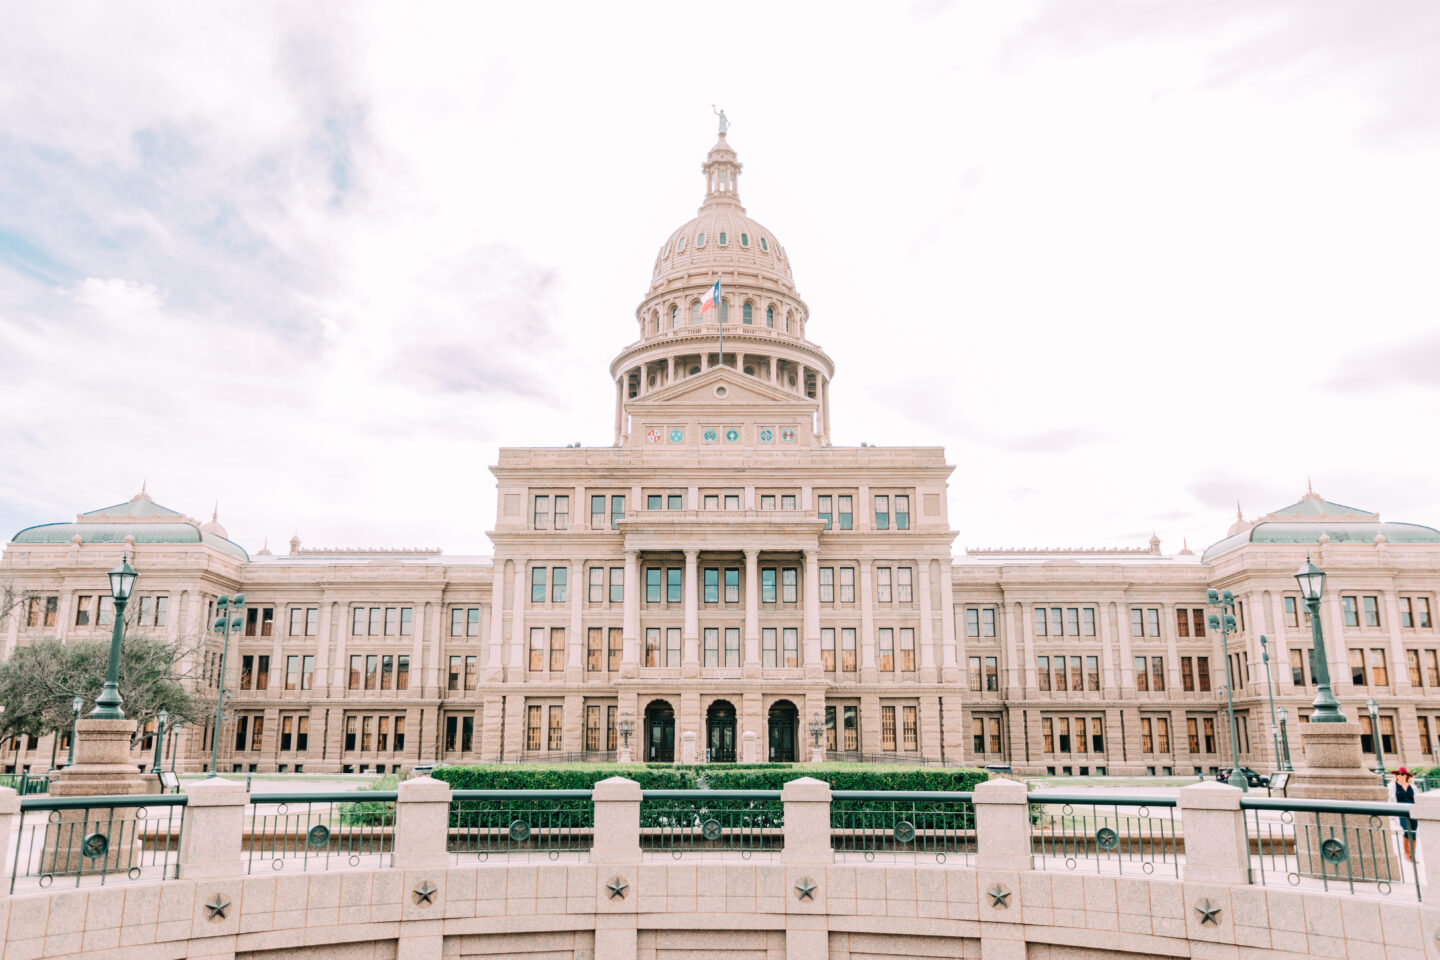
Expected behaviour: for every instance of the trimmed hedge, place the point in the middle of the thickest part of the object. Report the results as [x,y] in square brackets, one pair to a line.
[716,776]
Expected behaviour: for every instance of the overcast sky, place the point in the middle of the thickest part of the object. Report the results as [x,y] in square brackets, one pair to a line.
[1128,262]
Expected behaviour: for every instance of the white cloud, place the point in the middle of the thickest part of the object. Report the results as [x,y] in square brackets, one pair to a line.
[320,261]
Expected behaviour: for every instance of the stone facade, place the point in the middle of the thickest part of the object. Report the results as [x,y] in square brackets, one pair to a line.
[723,575]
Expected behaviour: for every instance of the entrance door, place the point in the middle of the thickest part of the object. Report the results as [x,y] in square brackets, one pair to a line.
[720,723]
[783,717]
[659,733]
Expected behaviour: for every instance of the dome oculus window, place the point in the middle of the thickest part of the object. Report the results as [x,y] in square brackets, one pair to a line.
[700,241]
[764,245]
[744,239]
[679,244]
[722,238]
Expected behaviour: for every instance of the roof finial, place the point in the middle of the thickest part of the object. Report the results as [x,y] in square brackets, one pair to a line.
[1238,514]
[142,495]
[1309,490]
[215,513]
[724,120]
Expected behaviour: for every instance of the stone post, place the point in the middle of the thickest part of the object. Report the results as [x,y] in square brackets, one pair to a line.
[9,817]
[103,765]
[1427,821]
[212,843]
[617,822]
[807,821]
[749,747]
[1002,825]
[1216,848]
[1332,768]
[688,752]
[422,823]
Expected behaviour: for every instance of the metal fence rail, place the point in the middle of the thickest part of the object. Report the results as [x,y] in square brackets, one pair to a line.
[902,825]
[96,839]
[26,784]
[1359,847]
[520,824]
[320,831]
[711,823]
[1112,835]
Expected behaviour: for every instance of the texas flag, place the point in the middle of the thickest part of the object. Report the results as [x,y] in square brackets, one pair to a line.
[712,297]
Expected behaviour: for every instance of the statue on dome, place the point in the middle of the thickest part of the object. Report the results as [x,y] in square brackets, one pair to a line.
[724,120]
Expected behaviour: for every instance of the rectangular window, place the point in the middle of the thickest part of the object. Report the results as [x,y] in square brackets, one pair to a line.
[675,501]
[1351,611]
[987,622]
[247,672]
[617,584]
[1387,734]
[882,512]
[1057,628]
[452,726]
[1092,672]
[537,648]
[595,585]
[52,611]
[392,621]
[1147,740]
[768,652]
[287,733]
[297,621]
[902,513]
[542,512]
[407,621]
[1192,732]
[887,728]
[653,501]
[1079,734]
[1087,621]
[1423,722]
[1379,669]
[307,672]
[1372,611]
[375,624]
[1407,616]
[652,584]
[592,728]
[1432,669]
[847,649]
[711,636]
[537,584]
[597,513]
[1292,611]
[827,584]
[732,584]
[557,650]
[532,728]
[887,648]
[673,584]
[847,584]
[1197,622]
[354,683]
[787,501]
[652,647]
[903,585]
[847,513]
[1040,622]
[790,636]
[594,649]
[767,584]
[823,509]
[1142,677]
[83,608]
[711,501]
[1063,725]
[827,650]
[1072,621]
[1137,622]
[1187,674]
[732,646]
[732,501]
[453,677]
[612,735]
[555,740]
[1047,734]
[617,645]
[851,718]
[1162,735]
[1077,675]
[1042,672]
[559,577]
[292,673]
[672,646]
[1357,666]
[767,501]
[262,672]
[1152,622]
[1157,674]
[402,671]
[992,674]
[382,736]
[972,622]
[457,621]
[1062,679]
[617,511]
[907,648]
[357,621]
[712,585]
[1412,667]
[1297,667]
[1209,723]
[1182,625]
[562,513]
[1422,613]
[789,585]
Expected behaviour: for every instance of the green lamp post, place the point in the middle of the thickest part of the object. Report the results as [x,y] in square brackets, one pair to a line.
[223,625]
[75,705]
[1224,621]
[1285,738]
[1312,587]
[122,584]
[1270,690]
[1374,710]
[159,738]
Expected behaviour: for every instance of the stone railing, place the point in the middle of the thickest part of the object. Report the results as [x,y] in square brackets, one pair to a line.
[833,873]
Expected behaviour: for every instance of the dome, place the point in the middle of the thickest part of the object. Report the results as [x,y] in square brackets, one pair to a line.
[214,525]
[138,520]
[722,237]
[1313,519]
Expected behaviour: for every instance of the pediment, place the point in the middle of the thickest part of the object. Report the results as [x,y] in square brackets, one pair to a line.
[739,390]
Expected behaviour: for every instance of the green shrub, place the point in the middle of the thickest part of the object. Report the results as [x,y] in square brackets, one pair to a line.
[372,813]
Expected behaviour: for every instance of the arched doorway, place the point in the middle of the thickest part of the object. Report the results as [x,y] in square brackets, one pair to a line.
[720,732]
[659,732]
[784,719]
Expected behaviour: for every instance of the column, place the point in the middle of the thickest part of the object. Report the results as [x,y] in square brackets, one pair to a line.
[1012,657]
[1332,620]
[752,613]
[335,613]
[579,509]
[691,637]
[927,623]
[1109,680]
[868,671]
[619,408]
[825,409]
[630,650]
[518,643]
[949,656]
[1399,674]
[1172,652]
[494,644]
[1027,627]
[574,667]
[1280,647]
[1118,628]
[864,520]
[812,614]
[427,675]
[322,651]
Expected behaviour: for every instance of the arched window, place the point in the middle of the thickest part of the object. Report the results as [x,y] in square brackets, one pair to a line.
[744,240]
[695,312]
[655,322]
[787,321]
[724,311]
[770,317]
[764,245]
[700,241]
[667,250]
[722,238]
[747,312]
[679,244]
[674,316]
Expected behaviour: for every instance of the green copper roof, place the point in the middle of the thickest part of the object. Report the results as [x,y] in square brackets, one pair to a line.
[1269,531]
[1313,506]
[112,532]
[140,506]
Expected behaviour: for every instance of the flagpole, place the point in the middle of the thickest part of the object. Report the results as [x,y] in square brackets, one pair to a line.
[720,317]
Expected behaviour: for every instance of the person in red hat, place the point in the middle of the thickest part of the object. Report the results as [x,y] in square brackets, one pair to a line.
[1402,790]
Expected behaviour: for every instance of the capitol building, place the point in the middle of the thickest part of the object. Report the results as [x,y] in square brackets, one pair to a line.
[722,579]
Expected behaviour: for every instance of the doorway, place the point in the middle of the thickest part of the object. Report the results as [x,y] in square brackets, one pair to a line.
[720,732]
[784,719]
[659,732]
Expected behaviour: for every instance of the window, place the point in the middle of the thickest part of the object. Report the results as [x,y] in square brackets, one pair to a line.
[652,647]
[910,728]
[767,585]
[532,728]
[1292,611]
[1352,613]
[247,672]
[712,646]
[992,674]
[537,584]
[1137,622]
[594,649]
[1372,611]
[732,646]
[453,679]
[1042,672]
[712,585]
[972,622]
[617,511]
[1357,666]
[558,580]
[1192,731]
[732,584]
[1422,612]
[847,649]
[1187,674]
[537,648]
[392,621]
[1040,622]
[1432,669]
[307,672]
[1182,625]
[595,585]
[902,513]
[652,584]
[851,719]
[887,728]
[292,673]
[562,513]
[1157,674]
[732,501]
[1077,675]
[882,584]
[768,651]
[1062,679]
[789,585]
[791,638]
[597,513]
[769,311]
[903,588]
[402,672]
[354,682]
[1142,679]
[1209,724]
[1147,739]
[1092,672]
[542,512]
[557,652]
[886,638]
[787,501]
[847,512]
[767,501]
[653,501]
[673,584]
[747,310]
[556,728]
[847,584]
[1412,665]
[827,650]
[617,644]
[672,646]
[617,584]
[882,512]
[592,728]
[1424,724]
[823,509]
[907,648]
[1379,670]
[1047,734]
[82,610]
[1072,621]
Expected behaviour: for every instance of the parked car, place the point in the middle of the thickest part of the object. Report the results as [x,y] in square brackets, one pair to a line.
[999,770]
[1251,777]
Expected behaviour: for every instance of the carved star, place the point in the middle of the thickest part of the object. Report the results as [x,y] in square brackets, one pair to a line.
[425,893]
[218,907]
[617,888]
[1209,913]
[805,889]
[999,896]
